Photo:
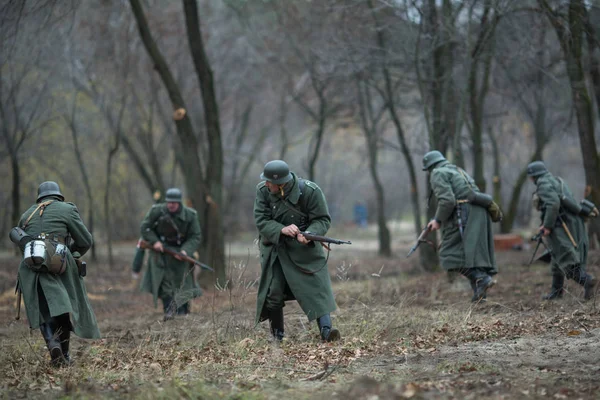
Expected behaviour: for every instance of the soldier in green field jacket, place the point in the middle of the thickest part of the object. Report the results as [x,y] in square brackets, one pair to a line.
[57,303]
[564,230]
[467,241]
[292,267]
[173,225]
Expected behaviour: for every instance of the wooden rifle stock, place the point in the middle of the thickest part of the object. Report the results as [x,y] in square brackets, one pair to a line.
[145,245]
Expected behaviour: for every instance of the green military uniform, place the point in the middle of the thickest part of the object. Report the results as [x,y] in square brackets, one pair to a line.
[567,260]
[50,299]
[167,278]
[292,270]
[467,247]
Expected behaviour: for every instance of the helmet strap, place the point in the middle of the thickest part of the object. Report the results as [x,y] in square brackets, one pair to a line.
[281,189]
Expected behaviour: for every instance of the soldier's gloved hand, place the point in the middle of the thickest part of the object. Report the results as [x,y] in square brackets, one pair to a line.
[300,238]
[158,246]
[290,230]
[433,225]
[182,252]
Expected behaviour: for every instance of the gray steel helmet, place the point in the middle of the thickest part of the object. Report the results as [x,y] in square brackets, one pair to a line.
[536,168]
[173,195]
[432,158]
[277,172]
[49,188]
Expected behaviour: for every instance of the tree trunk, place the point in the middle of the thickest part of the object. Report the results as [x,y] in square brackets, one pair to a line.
[571,40]
[427,261]
[16,192]
[214,246]
[369,124]
[197,187]
[84,175]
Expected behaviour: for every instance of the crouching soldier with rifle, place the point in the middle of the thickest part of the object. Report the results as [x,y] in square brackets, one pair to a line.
[52,237]
[563,227]
[169,277]
[292,266]
[465,216]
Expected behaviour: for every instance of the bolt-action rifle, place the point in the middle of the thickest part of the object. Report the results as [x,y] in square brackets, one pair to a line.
[323,239]
[145,245]
[539,239]
[420,240]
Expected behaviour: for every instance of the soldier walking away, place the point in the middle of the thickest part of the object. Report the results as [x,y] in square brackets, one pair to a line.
[292,267]
[564,228]
[463,214]
[172,225]
[53,238]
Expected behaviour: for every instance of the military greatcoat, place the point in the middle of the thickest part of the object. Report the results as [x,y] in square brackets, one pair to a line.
[167,277]
[304,266]
[475,248]
[564,254]
[64,293]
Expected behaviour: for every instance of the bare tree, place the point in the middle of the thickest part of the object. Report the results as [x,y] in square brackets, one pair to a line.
[205,188]
[371,122]
[569,28]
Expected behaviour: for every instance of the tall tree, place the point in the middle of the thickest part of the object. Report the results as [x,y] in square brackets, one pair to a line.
[205,188]
[569,28]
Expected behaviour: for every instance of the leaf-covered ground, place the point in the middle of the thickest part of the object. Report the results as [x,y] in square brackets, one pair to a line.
[405,335]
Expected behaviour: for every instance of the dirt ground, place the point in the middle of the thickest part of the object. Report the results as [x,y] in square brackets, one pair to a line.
[406,334]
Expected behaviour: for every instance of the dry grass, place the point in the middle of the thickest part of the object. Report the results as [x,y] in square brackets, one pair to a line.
[406,335]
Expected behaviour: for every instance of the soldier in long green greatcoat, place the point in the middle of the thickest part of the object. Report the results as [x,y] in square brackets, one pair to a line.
[467,241]
[564,230]
[57,303]
[292,267]
[176,226]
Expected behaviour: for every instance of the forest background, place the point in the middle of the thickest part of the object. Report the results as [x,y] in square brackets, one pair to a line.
[119,100]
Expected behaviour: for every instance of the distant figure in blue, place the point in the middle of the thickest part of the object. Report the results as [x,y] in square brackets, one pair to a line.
[360,214]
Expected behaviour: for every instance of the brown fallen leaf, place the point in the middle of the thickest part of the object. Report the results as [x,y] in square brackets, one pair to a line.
[574,333]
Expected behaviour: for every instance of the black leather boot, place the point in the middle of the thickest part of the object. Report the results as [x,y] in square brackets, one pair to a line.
[589,285]
[328,333]
[65,335]
[556,292]
[50,335]
[482,284]
[184,309]
[276,322]
[169,308]
[474,298]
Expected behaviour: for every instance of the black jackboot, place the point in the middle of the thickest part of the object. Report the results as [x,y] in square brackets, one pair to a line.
[482,284]
[65,335]
[328,333]
[169,308]
[474,298]
[276,322]
[556,292]
[588,282]
[184,309]
[50,335]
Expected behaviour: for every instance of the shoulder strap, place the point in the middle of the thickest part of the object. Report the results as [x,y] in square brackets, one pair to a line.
[464,175]
[42,205]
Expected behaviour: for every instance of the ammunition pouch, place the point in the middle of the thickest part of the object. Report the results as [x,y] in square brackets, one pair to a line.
[486,201]
[45,255]
[588,209]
